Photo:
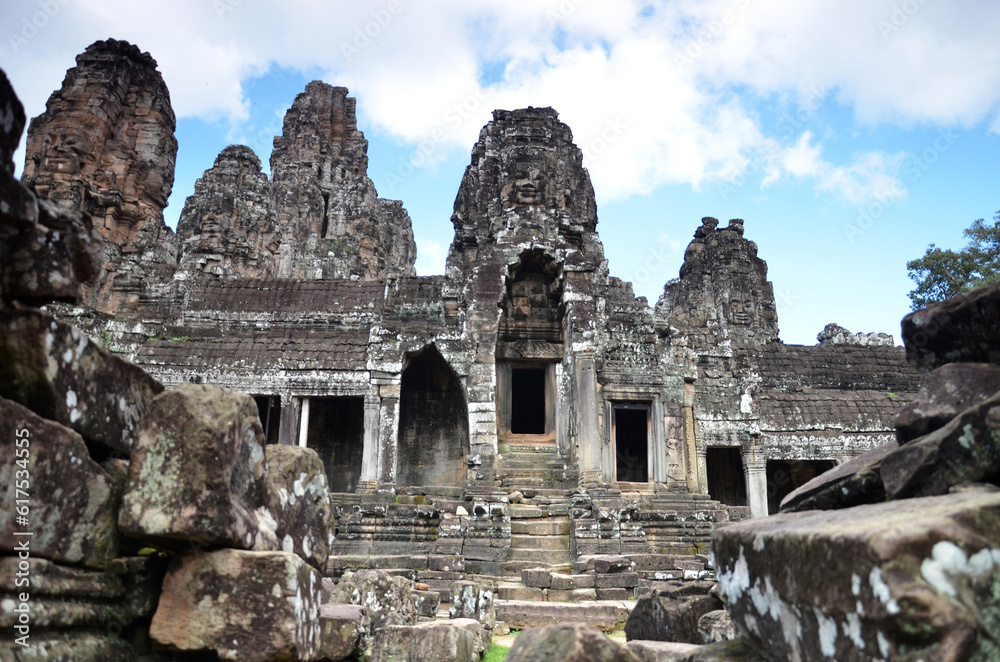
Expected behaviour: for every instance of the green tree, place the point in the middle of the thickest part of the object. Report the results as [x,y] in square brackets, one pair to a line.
[942,273]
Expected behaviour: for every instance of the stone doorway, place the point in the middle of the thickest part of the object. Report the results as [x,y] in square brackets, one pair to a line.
[630,432]
[269,410]
[727,481]
[783,476]
[336,430]
[433,423]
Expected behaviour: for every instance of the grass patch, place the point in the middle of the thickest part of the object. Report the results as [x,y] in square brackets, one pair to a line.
[496,653]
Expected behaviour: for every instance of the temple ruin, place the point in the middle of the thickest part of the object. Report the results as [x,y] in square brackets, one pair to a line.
[297,449]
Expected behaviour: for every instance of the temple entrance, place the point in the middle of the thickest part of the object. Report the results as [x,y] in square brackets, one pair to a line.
[784,476]
[527,400]
[433,423]
[336,432]
[630,431]
[727,481]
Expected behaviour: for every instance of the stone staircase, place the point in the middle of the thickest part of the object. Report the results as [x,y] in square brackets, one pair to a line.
[527,466]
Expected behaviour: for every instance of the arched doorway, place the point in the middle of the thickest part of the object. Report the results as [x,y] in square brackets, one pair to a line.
[433,422]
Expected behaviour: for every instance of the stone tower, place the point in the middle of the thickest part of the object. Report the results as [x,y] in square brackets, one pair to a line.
[105,145]
[334,223]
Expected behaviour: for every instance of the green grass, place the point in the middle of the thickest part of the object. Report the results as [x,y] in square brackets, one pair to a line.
[496,653]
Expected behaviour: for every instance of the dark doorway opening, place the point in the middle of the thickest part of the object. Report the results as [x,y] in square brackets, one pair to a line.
[631,430]
[337,432]
[726,481]
[527,400]
[269,410]
[783,476]
[433,423]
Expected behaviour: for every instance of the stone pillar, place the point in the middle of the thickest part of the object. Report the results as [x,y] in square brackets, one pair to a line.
[588,431]
[304,423]
[388,438]
[691,459]
[369,455]
[657,445]
[701,464]
[287,425]
[756,468]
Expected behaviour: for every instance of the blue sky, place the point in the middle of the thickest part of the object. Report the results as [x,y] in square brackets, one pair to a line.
[849,135]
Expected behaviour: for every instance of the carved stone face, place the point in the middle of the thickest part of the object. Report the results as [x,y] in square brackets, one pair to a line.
[742,311]
[66,152]
[528,186]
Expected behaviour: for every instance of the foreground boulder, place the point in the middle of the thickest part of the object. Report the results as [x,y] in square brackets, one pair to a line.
[58,372]
[909,579]
[945,393]
[567,643]
[964,329]
[298,503]
[966,450]
[197,472]
[245,606]
[66,502]
[387,600]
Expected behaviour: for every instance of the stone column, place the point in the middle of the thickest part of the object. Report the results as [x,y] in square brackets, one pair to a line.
[304,423]
[756,468]
[691,459]
[287,425]
[588,431]
[388,439]
[370,455]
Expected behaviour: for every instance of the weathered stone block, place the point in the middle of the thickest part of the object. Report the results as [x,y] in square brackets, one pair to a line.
[473,600]
[611,564]
[660,651]
[445,563]
[853,483]
[663,618]
[612,593]
[915,576]
[536,577]
[518,614]
[580,594]
[966,450]
[944,394]
[617,580]
[567,643]
[298,503]
[197,470]
[716,626]
[69,646]
[427,642]
[246,606]
[67,502]
[963,329]
[340,630]
[59,373]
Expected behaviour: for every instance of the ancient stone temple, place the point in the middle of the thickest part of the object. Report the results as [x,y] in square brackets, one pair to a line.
[326,446]
[526,365]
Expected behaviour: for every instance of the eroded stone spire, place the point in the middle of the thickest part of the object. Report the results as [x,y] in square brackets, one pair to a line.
[335,224]
[229,227]
[105,143]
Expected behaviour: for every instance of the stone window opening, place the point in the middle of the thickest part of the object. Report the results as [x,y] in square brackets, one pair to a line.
[526,399]
[630,430]
[269,411]
[727,482]
[784,476]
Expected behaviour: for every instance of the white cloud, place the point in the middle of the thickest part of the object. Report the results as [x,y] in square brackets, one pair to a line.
[430,256]
[668,97]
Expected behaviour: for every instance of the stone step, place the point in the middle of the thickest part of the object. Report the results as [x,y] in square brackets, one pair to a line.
[539,542]
[541,556]
[546,526]
[605,615]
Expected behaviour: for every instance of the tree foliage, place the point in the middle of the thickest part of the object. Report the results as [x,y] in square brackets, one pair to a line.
[943,273]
